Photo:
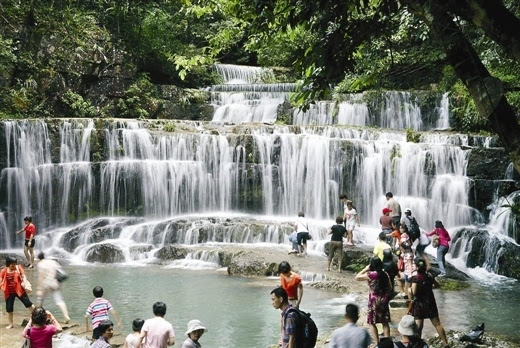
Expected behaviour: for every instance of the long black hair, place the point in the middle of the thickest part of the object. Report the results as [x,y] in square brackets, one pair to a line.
[381,285]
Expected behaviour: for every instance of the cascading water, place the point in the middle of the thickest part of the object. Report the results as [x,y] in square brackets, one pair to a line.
[444,113]
[5,240]
[120,168]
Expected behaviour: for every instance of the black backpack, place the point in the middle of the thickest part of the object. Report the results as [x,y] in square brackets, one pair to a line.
[306,332]
[415,231]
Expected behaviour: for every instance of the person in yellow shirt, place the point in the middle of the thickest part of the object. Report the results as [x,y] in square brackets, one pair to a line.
[381,246]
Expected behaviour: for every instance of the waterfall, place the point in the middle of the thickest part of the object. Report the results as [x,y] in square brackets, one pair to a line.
[5,239]
[400,111]
[329,113]
[509,174]
[444,113]
[286,169]
[241,74]
[502,220]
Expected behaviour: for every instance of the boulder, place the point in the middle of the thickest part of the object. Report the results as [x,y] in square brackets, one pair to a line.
[487,163]
[242,263]
[498,255]
[171,252]
[105,253]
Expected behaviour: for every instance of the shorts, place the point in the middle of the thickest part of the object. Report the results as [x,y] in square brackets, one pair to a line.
[350,226]
[407,279]
[27,243]
[9,302]
[333,247]
[96,333]
[302,237]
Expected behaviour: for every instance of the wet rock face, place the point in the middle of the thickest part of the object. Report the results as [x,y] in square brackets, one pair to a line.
[488,164]
[171,252]
[497,255]
[252,268]
[94,232]
[105,253]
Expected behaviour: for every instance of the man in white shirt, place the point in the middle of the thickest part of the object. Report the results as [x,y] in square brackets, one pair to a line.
[392,204]
[350,335]
[157,332]
[351,217]
[302,228]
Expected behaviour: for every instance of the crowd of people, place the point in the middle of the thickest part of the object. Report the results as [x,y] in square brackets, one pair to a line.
[399,257]
[397,237]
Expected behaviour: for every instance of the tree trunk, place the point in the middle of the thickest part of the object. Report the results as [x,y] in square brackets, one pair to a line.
[486,91]
[494,18]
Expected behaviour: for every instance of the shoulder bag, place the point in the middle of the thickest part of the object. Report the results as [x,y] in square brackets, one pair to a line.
[26,285]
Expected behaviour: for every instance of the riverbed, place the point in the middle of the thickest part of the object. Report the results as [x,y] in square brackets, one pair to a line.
[238,311]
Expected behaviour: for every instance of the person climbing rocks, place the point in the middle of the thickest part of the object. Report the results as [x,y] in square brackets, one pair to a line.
[291,282]
[302,228]
[444,245]
[30,231]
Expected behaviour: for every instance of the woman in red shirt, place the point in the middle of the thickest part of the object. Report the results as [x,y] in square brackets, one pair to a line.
[291,282]
[30,231]
[11,284]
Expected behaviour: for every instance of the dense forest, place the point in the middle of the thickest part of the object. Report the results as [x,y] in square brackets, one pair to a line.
[107,58]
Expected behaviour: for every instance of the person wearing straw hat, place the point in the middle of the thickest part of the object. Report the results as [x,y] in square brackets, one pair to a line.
[194,332]
[408,329]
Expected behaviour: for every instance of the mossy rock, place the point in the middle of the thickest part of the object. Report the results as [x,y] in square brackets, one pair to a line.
[355,267]
[452,284]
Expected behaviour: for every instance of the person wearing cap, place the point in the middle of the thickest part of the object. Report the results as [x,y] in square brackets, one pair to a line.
[408,329]
[386,224]
[394,206]
[194,332]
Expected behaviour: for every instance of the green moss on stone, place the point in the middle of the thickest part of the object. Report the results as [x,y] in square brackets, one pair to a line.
[453,285]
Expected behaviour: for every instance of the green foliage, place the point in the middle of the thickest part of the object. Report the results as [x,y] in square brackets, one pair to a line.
[78,106]
[139,99]
[452,284]
[412,136]
[169,127]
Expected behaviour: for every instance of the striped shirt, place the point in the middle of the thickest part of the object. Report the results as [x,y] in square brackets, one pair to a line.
[289,326]
[99,311]
[101,343]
